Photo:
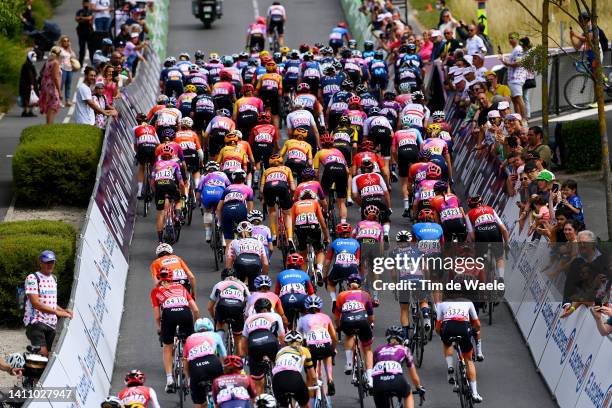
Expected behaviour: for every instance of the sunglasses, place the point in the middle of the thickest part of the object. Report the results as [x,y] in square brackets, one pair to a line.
[525,178]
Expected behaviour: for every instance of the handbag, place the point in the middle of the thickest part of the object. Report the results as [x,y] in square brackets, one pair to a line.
[530,83]
[76,65]
[33,98]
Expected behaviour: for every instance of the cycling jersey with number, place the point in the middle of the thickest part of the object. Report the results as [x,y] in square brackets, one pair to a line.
[292,359]
[172,296]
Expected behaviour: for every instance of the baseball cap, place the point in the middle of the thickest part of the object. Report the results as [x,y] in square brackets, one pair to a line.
[479,55]
[469,59]
[532,155]
[47,256]
[514,116]
[530,166]
[545,175]
[469,70]
[489,72]
[134,35]
[503,105]
[436,33]
[107,41]
[458,79]
[493,114]
[99,85]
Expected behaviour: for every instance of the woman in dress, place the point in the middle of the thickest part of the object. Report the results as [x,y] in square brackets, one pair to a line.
[50,85]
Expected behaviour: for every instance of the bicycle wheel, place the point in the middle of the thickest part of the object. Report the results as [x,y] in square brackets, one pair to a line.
[191,200]
[146,193]
[229,340]
[358,375]
[579,91]
[459,384]
[491,308]
[419,346]
[168,231]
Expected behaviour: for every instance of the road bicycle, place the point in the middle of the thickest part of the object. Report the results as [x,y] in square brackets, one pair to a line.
[396,401]
[178,372]
[191,203]
[330,217]
[172,228]
[418,334]
[358,375]
[273,40]
[282,239]
[230,345]
[147,194]
[462,384]
[311,267]
[216,242]
[579,90]
[207,388]
[268,376]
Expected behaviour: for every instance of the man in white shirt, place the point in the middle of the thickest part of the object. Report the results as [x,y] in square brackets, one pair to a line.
[275,19]
[516,73]
[102,14]
[85,108]
[474,43]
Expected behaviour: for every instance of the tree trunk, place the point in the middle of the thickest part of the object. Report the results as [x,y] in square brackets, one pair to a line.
[545,18]
[601,114]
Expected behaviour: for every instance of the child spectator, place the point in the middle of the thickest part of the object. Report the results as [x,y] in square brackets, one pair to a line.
[571,200]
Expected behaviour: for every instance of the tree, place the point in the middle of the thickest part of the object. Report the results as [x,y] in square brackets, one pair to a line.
[10,17]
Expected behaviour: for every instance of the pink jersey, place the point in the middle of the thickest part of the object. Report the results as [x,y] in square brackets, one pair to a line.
[249,103]
[271,296]
[403,100]
[437,147]
[221,122]
[309,185]
[230,289]
[223,88]
[263,321]
[357,117]
[200,345]
[244,246]
[425,190]
[314,326]
[185,97]
[257,29]
[447,206]
[406,139]
[370,230]
[166,171]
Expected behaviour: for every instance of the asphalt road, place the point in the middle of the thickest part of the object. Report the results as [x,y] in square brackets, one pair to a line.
[507,377]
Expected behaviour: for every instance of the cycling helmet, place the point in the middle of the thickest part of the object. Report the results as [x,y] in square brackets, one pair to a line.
[327,140]
[308,194]
[111,402]
[424,155]
[227,60]
[199,55]
[227,273]
[134,377]
[368,45]
[203,324]
[300,133]
[262,281]
[389,96]
[248,88]
[296,260]
[224,112]
[262,304]
[295,54]
[474,201]
[167,151]
[233,362]
[308,56]
[212,166]
[275,160]
[329,70]
[164,274]
[374,110]
[338,66]
[168,133]
[244,226]
[277,57]
[194,68]
[164,248]
[361,88]
[141,117]
[201,89]
[264,118]
[367,166]
[403,236]
[344,228]
[345,53]
[238,134]
[303,87]
[344,120]
[293,337]
[405,88]
[225,75]
[261,20]
[379,55]
[434,172]
[395,332]
[308,173]
[239,175]
[313,302]
[190,88]
[371,211]
[265,401]
[356,53]
[169,62]
[354,278]
[184,56]
[231,137]
[304,48]
[411,47]
[347,83]
[366,146]
[162,100]
[186,122]
[418,96]
[297,105]
[285,50]
[354,100]
[213,57]
[254,215]
[16,360]
[171,103]
[438,115]
[243,55]
[440,187]
[271,66]
[434,128]
[426,215]
[352,43]
[342,24]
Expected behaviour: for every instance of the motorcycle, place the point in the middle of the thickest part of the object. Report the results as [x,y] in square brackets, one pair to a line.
[207,10]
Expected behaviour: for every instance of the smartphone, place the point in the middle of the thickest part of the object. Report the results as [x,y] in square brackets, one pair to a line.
[555,187]
[598,302]
[499,50]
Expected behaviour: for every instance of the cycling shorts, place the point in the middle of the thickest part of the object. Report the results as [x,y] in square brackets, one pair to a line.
[231,215]
[247,266]
[261,343]
[246,121]
[203,369]
[173,317]
[336,44]
[226,310]
[357,324]
[354,76]
[381,80]
[216,141]
[321,351]
[173,88]
[338,174]
[453,328]
[211,196]
[455,227]
[223,101]
[381,136]
[236,404]
[347,152]
[146,154]
[339,273]
[405,158]
[380,203]
[277,23]
[386,385]
[293,305]
[313,82]
[280,191]
[163,190]
[271,100]
[296,168]
[192,160]
[262,153]
[257,41]
[308,234]
[408,296]
[286,382]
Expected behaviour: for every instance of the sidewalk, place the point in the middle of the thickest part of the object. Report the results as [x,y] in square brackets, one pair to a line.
[11,123]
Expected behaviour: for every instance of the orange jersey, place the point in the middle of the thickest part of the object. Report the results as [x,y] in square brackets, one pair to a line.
[172,262]
[270,82]
[278,174]
[153,111]
[246,147]
[188,140]
[296,151]
[306,212]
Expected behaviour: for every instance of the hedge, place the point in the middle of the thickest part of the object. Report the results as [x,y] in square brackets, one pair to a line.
[56,164]
[581,145]
[20,244]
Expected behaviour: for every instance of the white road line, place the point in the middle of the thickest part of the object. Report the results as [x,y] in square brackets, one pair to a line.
[9,155]
[256,8]
[1,116]
[10,210]
[580,114]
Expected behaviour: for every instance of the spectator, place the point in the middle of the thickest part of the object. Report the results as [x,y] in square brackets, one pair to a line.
[102,15]
[438,44]
[514,168]
[27,18]
[103,55]
[529,79]
[6,367]
[541,214]
[516,73]
[555,233]
[100,99]
[478,64]
[474,43]
[571,201]
[451,44]
[121,74]
[66,54]
[50,85]
[124,34]
[42,310]
[494,88]
[111,87]
[84,19]
[604,327]
[425,46]
[28,83]
[86,108]
[535,139]
[447,22]
[485,38]
[132,52]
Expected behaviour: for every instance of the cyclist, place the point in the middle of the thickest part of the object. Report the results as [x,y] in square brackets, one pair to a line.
[145,142]
[276,18]
[439,151]
[405,151]
[192,150]
[368,50]
[111,402]
[484,225]
[388,372]
[227,302]
[289,363]
[311,72]
[309,101]
[338,35]
[183,102]
[171,79]
[369,188]
[292,287]
[354,315]
[366,152]
[309,183]
[202,108]
[236,201]
[136,392]
[167,118]
[166,180]
[429,237]
[330,84]
[180,271]
[232,157]
[261,335]
[247,255]
[196,76]
[356,115]
[277,185]
[261,232]
[247,110]
[264,141]
[379,74]
[450,212]
[263,284]
[390,108]
[214,67]
[256,35]
[424,191]
[223,91]
[331,168]
[338,103]
[233,389]
[202,353]
[160,103]
[408,77]
[292,72]
[270,89]
[217,129]
[209,192]
[369,234]
[246,148]
[172,306]
[368,100]
[458,318]
[345,139]
[321,337]
[298,151]
[308,222]
[415,112]
[342,259]
[378,129]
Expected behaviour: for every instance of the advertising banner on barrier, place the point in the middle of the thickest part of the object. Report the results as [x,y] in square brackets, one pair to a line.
[597,390]
[549,312]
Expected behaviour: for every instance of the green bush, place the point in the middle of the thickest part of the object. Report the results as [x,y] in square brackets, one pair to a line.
[12,57]
[581,145]
[56,164]
[20,244]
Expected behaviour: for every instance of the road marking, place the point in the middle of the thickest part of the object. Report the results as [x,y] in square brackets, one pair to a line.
[580,114]
[256,8]
[9,155]
[10,210]
[1,116]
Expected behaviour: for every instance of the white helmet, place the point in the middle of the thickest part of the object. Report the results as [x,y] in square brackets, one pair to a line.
[161,248]
[238,133]
[265,401]
[16,360]
[186,122]
[244,226]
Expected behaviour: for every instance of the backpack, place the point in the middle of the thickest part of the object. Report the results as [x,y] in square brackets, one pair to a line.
[21,293]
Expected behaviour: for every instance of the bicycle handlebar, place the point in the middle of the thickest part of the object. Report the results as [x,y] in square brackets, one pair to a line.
[421,392]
